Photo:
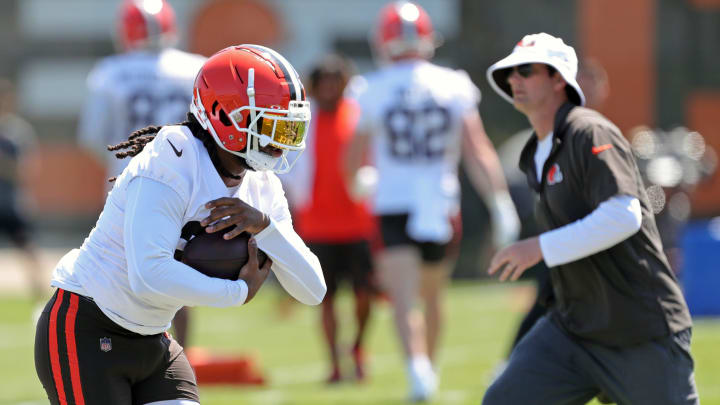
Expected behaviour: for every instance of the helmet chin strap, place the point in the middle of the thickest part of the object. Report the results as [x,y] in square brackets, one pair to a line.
[253,115]
[252,148]
[251,98]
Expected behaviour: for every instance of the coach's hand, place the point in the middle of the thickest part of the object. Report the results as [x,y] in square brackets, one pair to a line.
[251,273]
[227,211]
[516,258]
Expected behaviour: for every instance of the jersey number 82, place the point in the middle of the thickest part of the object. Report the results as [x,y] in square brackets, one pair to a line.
[417,133]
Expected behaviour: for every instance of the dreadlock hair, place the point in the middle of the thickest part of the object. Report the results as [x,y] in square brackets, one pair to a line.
[137,140]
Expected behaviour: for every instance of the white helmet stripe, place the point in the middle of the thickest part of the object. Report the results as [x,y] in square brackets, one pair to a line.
[151,23]
[409,28]
[291,75]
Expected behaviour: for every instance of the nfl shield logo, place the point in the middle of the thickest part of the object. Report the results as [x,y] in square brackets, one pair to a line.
[105,344]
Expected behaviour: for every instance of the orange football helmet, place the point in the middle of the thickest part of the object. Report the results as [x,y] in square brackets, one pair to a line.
[249,97]
[146,24]
[404,28]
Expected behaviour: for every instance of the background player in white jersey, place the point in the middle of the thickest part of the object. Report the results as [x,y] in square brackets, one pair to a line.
[148,83]
[101,339]
[419,119]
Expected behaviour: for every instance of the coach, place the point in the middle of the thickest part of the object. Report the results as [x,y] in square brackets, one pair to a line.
[619,325]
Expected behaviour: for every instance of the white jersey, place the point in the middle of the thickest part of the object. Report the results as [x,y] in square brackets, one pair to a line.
[132,90]
[413,110]
[126,263]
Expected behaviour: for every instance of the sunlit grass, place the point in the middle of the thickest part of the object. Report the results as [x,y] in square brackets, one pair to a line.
[289,351]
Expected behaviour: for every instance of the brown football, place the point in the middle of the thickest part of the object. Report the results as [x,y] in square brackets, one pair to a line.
[214,256]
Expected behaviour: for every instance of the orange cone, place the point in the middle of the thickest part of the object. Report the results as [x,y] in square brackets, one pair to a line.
[232,369]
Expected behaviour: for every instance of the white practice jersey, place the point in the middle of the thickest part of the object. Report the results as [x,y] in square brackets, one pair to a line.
[413,110]
[126,263]
[132,90]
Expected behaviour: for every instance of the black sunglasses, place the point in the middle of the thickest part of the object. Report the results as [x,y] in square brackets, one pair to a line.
[525,70]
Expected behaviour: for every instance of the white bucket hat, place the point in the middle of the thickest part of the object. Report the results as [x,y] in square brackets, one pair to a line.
[538,48]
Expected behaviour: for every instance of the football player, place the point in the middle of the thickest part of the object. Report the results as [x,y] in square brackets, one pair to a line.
[102,337]
[149,82]
[338,229]
[419,119]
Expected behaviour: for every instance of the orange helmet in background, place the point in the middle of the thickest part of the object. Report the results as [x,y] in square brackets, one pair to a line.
[146,24]
[404,28]
[249,97]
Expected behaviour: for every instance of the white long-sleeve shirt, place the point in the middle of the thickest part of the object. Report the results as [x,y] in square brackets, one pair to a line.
[126,264]
[613,221]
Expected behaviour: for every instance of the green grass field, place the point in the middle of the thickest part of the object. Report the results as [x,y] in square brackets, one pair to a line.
[482,318]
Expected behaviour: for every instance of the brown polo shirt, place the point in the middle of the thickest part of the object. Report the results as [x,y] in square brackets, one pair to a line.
[626,294]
